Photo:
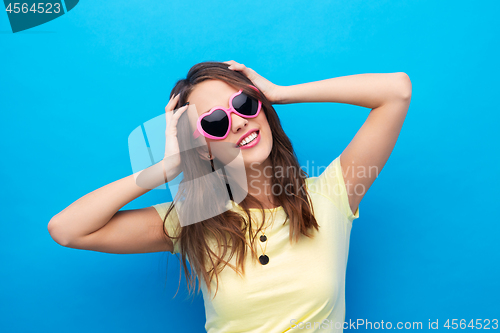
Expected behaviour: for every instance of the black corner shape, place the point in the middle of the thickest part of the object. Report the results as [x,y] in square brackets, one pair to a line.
[25,15]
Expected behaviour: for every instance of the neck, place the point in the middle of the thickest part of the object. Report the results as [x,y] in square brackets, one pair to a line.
[259,177]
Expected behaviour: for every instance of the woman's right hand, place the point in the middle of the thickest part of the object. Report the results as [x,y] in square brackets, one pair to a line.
[172,159]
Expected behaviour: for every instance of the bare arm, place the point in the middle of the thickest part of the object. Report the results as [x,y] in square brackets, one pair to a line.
[100,208]
[387,94]
[94,221]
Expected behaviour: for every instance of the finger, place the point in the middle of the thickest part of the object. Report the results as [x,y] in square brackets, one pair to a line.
[238,67]
[172,125]
[173,117]
[172,102]
[173,97]
[167,107]
[180,111]
[232,64]
[168,118]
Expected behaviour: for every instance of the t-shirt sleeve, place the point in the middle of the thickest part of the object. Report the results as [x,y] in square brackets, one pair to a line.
[331,184]
[172,224]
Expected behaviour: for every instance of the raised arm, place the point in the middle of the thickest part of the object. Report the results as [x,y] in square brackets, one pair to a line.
[95,222]
[387,94]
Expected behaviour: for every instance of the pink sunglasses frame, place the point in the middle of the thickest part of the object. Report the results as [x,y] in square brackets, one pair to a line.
[199,130]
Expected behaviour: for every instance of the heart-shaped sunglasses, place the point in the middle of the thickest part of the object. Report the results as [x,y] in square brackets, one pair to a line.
[216,123]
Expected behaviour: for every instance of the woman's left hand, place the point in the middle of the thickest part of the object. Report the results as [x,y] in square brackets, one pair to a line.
[269,89]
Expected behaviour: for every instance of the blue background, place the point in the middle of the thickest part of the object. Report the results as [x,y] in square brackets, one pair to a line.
[71,91]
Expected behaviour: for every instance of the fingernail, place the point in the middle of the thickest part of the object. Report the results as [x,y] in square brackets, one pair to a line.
[185,104]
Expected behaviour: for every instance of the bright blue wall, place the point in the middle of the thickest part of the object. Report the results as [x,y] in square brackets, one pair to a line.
[426,243]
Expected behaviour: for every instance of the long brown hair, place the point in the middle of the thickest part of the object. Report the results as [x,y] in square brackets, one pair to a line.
[228,229]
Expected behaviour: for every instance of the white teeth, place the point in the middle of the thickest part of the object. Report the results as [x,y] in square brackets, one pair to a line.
[248,139]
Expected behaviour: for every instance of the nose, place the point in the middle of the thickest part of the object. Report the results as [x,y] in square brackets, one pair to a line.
[238,123]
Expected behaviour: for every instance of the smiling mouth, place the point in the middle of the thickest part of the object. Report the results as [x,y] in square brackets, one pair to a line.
[249,139]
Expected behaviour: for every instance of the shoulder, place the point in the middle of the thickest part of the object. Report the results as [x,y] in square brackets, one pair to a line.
[171,223]
[330,185]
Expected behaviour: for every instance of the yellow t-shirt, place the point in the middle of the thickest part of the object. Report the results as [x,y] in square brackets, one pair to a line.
[302,287]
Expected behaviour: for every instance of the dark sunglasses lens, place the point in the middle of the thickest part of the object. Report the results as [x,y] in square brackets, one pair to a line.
[245,104]
[216,123]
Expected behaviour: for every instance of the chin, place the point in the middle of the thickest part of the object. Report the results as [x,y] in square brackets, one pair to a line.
[257,155]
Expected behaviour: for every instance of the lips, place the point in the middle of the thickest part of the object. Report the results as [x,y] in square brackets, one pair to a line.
[244,136]
[253,142]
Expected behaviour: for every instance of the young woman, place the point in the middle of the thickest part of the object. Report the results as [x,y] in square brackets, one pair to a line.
[275,259]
